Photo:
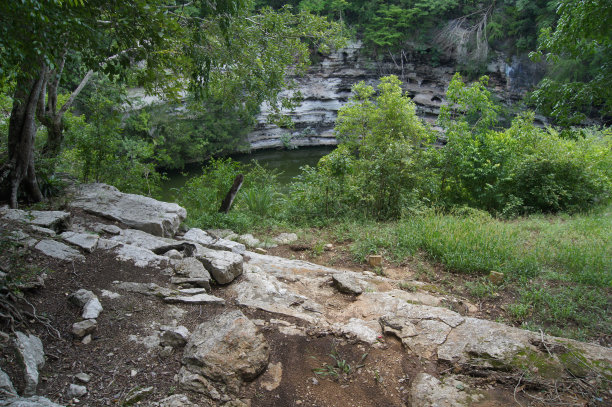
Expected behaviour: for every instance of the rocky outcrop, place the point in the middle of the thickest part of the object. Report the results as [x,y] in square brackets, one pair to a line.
[326,87]
[139,212]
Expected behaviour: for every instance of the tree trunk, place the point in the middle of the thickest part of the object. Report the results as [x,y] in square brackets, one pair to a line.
[19,167]
[231,194]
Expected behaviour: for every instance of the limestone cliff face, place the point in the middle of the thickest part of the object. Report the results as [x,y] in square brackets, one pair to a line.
[327,86]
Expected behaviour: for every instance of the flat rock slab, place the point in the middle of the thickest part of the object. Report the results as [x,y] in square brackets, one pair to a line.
[191,271]
[58,221]
[212,242]
[146,240]
[32,355]
[85,241]
[136,211]
[141,257]
[223,352]
[194,299]
[58,250]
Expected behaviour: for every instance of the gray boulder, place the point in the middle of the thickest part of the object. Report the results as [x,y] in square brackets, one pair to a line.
[212,242]
[175,336]
[347,283]
[139,212]
[191,271]
[6,386]
[427,391]
[58,250]
[140,256]
[223,266]
[223,353]
[32,355]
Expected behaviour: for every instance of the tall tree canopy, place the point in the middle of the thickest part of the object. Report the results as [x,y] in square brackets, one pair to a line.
[218,46]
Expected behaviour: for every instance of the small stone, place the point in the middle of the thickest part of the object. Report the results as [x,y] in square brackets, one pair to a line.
[259,250]
[286,238]
[82,328]
[375,260]
[81,297]
[133,372]
[110,294]
[174,336]
[83,377]
[86,340]
[249,240]
[92,309]
[136,394]
[328,247]
[76,390]
[166,352]
[496,278]
[347,284]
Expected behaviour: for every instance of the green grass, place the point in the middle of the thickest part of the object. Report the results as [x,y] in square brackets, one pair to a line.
[560,266]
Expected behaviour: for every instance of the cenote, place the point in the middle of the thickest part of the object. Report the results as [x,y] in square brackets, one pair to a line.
[286,162]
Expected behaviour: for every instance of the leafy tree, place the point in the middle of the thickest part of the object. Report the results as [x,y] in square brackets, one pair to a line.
[583,33]
[223,49]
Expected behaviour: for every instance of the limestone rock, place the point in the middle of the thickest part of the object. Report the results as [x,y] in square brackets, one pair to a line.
[141,257]
[249,240]
[427,391]
[145,288]
[286,238]
[32,355]
[107,244]
[82,328]
[136,394]
[83,377]
[85,241]
[43,231]
[175,337]
[58,250]
[92,309]
[34,401]
[110,229]
[174,254]
[227,350]
[194,299]
[55,220]
[146,240]
[192,271]
[6,386]
[139,212]
[212,242]
[178,400]
[223,266]
[76,390]
[347,283]
[81,297]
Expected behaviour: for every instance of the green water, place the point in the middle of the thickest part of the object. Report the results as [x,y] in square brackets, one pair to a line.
[287,162]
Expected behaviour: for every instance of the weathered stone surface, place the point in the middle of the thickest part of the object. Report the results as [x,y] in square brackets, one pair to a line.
[427,391]
[145,240]
[212,242]
[227,350]
[249,240]
[43,231]
[145,288]
[139,212]
[110,229]
[366,331]
[85,241]
[6,386]
[174,254]
[81,297]
[192,271]
[174,336]
[76,390]
[179,400]
[286,238]
[58,250]
[347,283]
[264,291]
[55,220]
[222,265]
[141,257]
[32,355]
[137,394]
[194,299]
[107,244]
[34,401]
[83,377]
[92,309]
[83,328]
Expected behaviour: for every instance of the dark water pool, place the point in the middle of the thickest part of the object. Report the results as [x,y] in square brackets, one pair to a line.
[288,162]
